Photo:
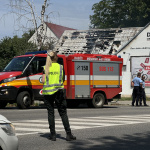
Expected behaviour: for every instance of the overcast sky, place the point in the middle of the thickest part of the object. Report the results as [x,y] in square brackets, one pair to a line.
[70,13]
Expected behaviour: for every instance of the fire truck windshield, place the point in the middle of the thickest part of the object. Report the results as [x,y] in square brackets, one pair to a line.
[17,64]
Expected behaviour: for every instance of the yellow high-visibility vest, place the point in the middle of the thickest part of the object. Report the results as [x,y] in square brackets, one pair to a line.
[54,81]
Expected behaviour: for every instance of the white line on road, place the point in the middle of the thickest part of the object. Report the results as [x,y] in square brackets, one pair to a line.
[25,127]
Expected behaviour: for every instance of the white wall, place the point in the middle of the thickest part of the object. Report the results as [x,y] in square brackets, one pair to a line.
[140,46]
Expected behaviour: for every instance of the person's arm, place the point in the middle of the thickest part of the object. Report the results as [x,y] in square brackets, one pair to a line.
[141,83]
[132,84]
[43,77]
[63,75]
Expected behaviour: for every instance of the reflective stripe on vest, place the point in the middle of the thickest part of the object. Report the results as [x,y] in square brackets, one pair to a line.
[52,90]
[51,87]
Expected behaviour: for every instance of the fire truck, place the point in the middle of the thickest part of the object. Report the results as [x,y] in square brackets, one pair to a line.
[89,78]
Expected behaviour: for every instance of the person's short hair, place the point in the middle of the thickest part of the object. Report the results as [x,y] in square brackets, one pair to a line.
[143,76]
[138,74]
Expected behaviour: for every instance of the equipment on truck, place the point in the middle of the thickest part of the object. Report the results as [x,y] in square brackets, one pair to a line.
[91,78]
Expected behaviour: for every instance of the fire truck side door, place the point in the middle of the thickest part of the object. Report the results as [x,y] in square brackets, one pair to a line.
[82,79]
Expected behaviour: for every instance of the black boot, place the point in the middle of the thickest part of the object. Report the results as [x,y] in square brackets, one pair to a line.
[70,137]
[52,137]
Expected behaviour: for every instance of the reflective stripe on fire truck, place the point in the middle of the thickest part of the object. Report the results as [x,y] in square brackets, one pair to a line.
[30,80]
[95,80]
[25,81]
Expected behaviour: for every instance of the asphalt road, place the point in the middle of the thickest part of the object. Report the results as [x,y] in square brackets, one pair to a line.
[109,128]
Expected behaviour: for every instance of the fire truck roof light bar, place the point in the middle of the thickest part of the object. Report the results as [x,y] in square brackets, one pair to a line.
[36,52]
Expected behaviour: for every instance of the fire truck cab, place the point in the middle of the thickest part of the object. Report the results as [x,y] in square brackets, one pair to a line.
[92,78]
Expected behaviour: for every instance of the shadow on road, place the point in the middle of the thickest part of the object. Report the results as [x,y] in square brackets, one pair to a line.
[46,135]
[127,142]
[32,107]
[43,107]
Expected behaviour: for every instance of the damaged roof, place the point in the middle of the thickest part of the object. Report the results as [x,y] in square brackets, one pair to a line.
[95,41]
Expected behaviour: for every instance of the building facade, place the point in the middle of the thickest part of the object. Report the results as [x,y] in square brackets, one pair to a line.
[51,33]
[136,56]
[132,44]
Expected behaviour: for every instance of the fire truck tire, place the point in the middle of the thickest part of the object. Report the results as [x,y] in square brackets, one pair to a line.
[23,100]
[3,104]
[97,101]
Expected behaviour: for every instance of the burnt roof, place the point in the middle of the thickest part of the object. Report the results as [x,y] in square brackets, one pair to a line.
[95,41]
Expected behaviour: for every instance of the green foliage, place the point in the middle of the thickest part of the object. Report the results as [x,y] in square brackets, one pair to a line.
[120,13]
[10,47]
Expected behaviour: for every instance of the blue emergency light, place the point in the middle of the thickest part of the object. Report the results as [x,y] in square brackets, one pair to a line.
[36,52]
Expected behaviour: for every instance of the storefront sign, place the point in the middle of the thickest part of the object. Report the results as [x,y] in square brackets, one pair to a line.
[141,64]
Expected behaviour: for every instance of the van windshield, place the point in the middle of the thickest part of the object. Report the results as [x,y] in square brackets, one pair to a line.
[17,64]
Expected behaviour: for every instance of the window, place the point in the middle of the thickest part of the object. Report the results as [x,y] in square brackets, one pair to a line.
[17,64]
[124,68]
[37,64]
[60,61]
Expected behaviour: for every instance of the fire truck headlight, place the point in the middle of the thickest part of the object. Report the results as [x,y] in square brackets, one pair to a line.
[8,79]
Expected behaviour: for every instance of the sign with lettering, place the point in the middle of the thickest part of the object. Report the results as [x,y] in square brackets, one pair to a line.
[82,68]
[141,64]
[103,68]
[148,34]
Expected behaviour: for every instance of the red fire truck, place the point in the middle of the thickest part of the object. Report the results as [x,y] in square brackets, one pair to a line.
[92,78]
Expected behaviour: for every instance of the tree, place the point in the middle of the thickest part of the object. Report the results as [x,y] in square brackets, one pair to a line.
[10,47]
[25,10]
[120,13]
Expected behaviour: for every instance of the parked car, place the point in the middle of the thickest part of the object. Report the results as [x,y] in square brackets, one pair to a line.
[8,139]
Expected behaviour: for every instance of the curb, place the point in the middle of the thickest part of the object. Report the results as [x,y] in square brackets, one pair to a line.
[128,103]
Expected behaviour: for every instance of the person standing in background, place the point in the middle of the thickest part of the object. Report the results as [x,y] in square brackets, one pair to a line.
[142,92]
[136,83]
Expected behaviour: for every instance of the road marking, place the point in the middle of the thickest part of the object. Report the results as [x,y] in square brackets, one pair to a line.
[25,127]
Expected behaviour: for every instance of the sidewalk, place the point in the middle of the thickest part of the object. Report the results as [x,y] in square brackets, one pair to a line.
[124,103]
[121,102]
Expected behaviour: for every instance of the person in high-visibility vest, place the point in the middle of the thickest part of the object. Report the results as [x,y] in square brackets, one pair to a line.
[53,91]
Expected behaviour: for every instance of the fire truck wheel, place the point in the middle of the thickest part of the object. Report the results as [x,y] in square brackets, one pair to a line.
[97,101]
[3,104]
[23,100]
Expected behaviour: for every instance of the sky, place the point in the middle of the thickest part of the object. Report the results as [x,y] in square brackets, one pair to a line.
[70,13]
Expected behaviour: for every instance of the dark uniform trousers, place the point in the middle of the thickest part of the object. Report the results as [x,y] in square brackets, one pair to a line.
[135,95]
[142,96]
[61,104]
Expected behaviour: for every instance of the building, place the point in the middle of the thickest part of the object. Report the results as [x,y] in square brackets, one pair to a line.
[132,44]
[136,55]
[52,33]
